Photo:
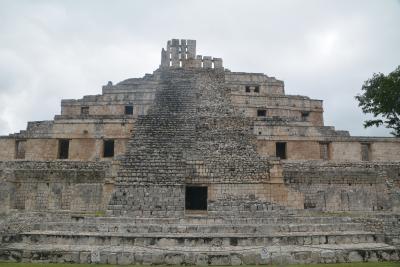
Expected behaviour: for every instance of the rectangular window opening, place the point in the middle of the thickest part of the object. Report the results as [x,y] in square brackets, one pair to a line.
[247,89]
[108,150]
[304,115]
[63,148]
[128,110]
[281,150]
[84,110]
[196,198]
[20,149]
[261,113]
[257,89]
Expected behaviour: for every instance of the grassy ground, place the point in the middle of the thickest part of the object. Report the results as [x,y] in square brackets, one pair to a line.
[368,264]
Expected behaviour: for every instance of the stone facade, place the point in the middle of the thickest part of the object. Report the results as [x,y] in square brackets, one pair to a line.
[56,185]
[196,164]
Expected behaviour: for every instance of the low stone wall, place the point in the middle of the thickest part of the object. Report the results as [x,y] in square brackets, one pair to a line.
[55,185]
[148,201]
[175,257]
[252,199]
[345,186]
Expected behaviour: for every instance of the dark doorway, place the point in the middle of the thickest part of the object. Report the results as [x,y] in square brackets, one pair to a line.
[281,150]
[63,148]
[84,110]
[128,110]
[108,150]
[196,198]
[261,113]
[304,115]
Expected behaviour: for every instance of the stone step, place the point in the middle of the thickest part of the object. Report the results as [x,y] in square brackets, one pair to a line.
[191,240]
[227,255]
[275,219]
[183,228]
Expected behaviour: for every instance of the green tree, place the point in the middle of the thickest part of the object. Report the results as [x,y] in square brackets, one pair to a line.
[381,98]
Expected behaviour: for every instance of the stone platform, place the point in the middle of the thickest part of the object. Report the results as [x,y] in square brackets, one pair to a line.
[201,240]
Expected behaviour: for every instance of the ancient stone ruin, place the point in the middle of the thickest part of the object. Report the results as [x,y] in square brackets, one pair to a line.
[196,164]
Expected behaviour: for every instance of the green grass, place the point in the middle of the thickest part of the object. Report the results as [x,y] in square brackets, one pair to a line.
[367,264]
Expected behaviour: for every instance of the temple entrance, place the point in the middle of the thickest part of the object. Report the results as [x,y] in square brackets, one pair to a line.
[196,198]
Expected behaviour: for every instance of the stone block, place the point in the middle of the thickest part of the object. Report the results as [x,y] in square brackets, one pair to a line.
[201,259]
[372,257]
[112,258]
[235,259]
[302,257]
[219,259]
[328,256]
[394,256]
[354,256]
[125,258]
[174,258]
[95,256]
[283,257]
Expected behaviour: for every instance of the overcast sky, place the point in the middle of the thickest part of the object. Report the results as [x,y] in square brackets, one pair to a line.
[53,50]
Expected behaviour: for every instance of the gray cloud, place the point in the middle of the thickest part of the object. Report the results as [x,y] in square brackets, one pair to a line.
[51,50]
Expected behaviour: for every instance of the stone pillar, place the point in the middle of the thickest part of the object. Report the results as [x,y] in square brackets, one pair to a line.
[218,63]
[175,56]
[183,48]
[191,49]
[207,62]
[198,61]
[164,59]
[180,53]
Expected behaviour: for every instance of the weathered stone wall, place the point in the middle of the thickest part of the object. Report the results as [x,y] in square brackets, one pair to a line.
[310,148]
[294,108]
[385,151]
[86,138]
[84,149]
[295,150]
[5,193]
[43,149]
[335,186]
[346,151]
[55,185]
[7,148]
[138,93]
[237,82]
[148,201]
[252,199]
